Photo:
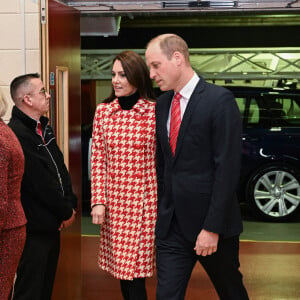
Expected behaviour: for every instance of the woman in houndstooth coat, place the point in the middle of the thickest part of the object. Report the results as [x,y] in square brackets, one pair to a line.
[124,176]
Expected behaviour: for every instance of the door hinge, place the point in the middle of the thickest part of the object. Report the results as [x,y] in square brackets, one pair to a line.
[43,11]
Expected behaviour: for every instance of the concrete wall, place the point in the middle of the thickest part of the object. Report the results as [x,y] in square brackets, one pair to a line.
[19,42]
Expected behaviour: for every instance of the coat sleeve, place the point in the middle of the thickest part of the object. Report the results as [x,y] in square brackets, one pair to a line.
[227,143]
[69,193]
[3,185]
[98,161]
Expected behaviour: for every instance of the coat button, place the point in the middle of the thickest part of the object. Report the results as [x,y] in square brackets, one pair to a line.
[137,146]
[112,175]
[114,117]
[139,175]
[138,117]
[113,145]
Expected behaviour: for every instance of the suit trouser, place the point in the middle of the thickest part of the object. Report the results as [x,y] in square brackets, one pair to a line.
[176,259]
[37,267]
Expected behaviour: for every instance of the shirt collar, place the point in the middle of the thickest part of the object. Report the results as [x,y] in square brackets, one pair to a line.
[187,90]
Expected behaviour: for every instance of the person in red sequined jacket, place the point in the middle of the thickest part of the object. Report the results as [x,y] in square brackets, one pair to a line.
[124,176]
[12,217]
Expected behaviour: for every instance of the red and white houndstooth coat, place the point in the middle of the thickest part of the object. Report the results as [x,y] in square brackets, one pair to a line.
[124,180]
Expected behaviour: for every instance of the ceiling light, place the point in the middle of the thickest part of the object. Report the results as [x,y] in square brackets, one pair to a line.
[215,3]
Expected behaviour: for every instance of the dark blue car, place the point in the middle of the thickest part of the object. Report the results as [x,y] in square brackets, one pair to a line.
[270,176]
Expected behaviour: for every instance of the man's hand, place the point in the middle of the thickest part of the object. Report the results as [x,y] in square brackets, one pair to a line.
[207,243]
[98,214]
[68,222]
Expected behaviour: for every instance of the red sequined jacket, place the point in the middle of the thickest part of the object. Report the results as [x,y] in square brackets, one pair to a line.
[11,172]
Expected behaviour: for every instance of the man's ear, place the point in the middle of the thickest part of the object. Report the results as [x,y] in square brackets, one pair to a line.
[27,100]
[179,59]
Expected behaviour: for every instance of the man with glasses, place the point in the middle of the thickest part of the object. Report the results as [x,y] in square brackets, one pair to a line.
[46,191]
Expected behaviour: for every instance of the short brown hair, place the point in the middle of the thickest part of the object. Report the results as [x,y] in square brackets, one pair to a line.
[169,43]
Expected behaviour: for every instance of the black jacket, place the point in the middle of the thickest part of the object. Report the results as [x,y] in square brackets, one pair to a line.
[198,185]
[46,191]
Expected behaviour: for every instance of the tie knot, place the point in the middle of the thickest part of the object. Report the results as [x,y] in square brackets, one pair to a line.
[177,97]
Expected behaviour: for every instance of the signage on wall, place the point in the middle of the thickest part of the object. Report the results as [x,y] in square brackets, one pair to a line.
[52,78]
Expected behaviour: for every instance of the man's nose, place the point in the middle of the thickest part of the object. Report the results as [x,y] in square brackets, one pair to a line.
[152,74]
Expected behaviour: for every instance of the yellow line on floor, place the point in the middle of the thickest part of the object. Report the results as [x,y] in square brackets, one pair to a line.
[256,241]
[242,240]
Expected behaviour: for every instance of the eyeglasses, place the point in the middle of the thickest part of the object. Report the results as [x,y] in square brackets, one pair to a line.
[41,92]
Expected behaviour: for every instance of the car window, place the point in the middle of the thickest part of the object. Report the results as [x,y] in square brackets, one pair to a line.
[253,113]
[285,110]
[292,111]
[241,102]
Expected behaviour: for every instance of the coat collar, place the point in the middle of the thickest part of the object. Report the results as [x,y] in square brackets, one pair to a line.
[140,107]
[28,121]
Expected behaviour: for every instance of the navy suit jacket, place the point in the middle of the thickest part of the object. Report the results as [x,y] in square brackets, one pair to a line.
[199,183]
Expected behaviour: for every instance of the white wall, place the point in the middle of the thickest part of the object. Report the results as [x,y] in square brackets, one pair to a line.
[19,42]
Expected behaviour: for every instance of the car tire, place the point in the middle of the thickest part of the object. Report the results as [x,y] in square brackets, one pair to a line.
[273,193]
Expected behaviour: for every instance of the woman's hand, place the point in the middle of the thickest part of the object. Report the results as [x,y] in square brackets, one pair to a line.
[98,214]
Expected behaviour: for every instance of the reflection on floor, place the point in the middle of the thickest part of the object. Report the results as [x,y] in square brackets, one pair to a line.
[271,272]
[269,256]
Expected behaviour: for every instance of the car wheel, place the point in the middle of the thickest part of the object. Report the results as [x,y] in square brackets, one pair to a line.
[273,193]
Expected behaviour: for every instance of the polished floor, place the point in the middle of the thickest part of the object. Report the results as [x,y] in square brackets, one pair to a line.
[269,256]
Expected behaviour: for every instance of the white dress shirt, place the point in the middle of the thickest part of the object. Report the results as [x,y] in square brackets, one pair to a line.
[185,93]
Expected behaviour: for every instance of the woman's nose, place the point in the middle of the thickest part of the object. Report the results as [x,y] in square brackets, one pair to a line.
[115,78]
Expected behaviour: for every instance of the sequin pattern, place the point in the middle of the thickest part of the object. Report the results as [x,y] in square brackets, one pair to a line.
[12,217]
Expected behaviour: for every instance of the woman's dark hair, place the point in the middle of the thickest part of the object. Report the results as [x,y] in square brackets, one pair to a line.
[136,73]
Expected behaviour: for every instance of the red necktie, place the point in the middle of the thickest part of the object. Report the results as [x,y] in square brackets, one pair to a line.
[175,121]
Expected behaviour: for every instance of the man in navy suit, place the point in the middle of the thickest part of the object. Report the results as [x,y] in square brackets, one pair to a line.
[198,213]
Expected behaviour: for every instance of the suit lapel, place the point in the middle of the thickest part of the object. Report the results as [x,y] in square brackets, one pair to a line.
[162,121]
[165,104]
[193,102]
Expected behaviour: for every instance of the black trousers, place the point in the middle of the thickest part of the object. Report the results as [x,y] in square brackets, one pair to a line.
[134,289]
[176,258]
[37,267]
